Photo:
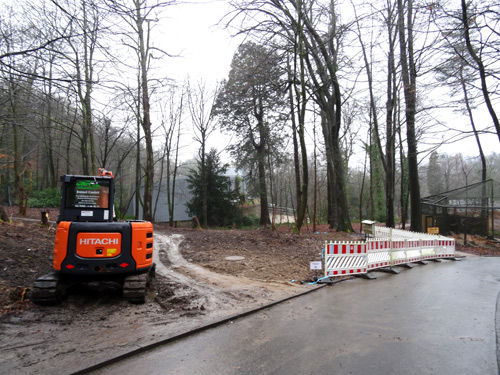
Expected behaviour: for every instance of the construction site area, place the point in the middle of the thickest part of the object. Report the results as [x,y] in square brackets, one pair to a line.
[201,277]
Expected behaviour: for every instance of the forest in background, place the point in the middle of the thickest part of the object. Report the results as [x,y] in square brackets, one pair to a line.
[336,110]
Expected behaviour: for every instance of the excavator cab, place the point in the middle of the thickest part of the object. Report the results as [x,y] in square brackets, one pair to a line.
[91,245]
[87,198]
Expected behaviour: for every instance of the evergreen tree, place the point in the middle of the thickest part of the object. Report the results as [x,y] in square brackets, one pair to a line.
[251,105]
[435,175]
[222,201]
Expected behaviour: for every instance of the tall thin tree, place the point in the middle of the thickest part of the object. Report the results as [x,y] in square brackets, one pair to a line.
[409,75]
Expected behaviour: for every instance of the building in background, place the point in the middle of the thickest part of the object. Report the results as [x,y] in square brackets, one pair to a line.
[182,196]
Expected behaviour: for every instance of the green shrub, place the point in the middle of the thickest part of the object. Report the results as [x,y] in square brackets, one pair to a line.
[248,221]
[125,217]
[45,198]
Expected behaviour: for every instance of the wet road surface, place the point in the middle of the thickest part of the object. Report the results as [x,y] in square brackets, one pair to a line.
[437,318]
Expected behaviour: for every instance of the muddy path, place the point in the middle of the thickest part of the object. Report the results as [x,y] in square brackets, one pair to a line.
[95,324]
[217,292]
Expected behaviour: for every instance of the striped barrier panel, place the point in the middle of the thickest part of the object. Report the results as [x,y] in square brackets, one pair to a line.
[378,254]
[351,258]
[345,258]
[429,249]
[413,251]
[398,252]
[445,248]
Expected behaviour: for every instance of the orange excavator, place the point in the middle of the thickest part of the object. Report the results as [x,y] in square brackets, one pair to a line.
[90,245]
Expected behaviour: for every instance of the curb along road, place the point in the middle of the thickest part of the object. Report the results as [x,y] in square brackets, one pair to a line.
[478,322]
[434,319]
[192,332]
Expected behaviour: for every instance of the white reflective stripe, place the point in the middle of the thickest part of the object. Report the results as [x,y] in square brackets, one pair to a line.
[346,262]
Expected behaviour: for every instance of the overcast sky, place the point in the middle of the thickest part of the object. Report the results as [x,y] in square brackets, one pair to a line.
[206,49]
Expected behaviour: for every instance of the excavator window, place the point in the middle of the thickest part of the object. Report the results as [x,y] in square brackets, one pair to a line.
[87,193]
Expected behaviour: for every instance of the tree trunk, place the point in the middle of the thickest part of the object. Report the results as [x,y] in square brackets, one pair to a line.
[296,158]
[3,215]
[344,221]
[378,157]
[409,74]
[474,129]
[330,173]
[147,213]
[390,146]
[48,134]
[484,197]
[171,200]
[404,183]
[138,172]
[301,94]
[204,192]
[390,153]
[315,195]
[84,84]
[264,204]
[174,180]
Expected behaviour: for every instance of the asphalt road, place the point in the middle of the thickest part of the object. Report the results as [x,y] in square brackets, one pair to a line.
[437,318]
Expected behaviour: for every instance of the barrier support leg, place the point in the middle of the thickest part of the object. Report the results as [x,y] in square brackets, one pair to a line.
[392,270]
[454,257]
[368,276]
[424,262]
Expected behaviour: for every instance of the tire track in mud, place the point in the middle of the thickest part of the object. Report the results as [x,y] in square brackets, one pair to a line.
[168,246]
[214,291]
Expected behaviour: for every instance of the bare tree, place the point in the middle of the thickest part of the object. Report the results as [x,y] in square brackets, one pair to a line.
[17,74]
[201,101]
[172,110]
[140,18]
[85,20]
[458,74]
[386,155]
[477,53]
[298,90]
[409,74]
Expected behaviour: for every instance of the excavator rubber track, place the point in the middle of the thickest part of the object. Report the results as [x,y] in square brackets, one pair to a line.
[135,287]
[48,289]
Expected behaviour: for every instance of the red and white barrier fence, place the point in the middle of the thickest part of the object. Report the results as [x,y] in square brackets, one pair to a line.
[351,258]
[378,254]
[345,258]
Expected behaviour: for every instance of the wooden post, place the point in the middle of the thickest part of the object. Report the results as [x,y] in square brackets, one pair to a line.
[196,223]
[45,218]
[3,215]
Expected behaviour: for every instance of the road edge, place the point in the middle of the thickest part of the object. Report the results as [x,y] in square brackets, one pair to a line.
[169,340]
[497,331]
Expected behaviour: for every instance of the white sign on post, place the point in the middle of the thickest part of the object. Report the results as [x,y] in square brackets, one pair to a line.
[316,265]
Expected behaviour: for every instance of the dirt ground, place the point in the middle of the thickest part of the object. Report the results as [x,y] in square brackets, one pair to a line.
[261,255]
[202,276]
